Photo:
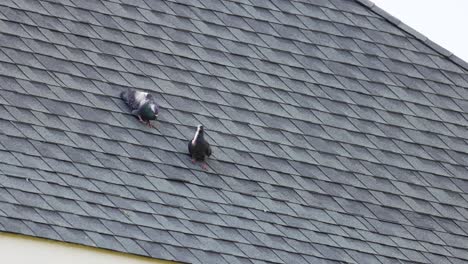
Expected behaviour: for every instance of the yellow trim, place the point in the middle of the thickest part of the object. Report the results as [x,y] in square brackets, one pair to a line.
[10,242]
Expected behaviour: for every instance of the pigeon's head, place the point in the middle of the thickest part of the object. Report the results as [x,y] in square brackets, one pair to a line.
[155,109]
[199,134]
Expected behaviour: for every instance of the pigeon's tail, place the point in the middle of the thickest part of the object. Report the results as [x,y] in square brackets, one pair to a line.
[123,95]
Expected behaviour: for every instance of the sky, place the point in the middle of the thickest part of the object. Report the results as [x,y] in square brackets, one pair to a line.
[442,21]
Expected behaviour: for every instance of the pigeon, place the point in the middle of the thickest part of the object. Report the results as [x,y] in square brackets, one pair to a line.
[199,148]
[142,105]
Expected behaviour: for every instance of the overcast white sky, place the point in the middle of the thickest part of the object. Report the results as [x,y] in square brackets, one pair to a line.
[442,21]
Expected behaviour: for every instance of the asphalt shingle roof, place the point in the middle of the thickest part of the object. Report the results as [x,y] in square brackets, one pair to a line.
[338,137]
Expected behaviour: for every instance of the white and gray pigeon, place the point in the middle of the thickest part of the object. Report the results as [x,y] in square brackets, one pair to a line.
[199,148]
[142,105]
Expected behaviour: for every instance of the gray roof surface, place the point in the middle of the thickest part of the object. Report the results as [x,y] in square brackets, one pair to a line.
[337,136]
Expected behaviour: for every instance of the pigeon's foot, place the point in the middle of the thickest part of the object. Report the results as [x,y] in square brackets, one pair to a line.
[139,118]
[204,166]
[193,161]
[149,124]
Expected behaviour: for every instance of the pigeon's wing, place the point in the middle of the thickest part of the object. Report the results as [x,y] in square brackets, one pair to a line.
[125,95]
[138,109]
[140,99]
[208,150]
[130,98]
[190,148]
[139,102]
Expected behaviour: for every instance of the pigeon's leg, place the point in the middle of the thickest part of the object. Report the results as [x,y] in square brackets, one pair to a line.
[204,166]
[193,160]
[139,118]
[149,124]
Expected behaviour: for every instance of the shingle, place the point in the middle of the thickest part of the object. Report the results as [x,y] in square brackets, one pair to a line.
[52,217]
[256,252]
[74,236]
[180,253]
[95,211]
[126,230]
[131,204]
[93,196]
[43,230]
[15,225]
[207,257]
[31,161]
[20,212]
[64,205]
[79,155]
[333,253]
[109,146]
[106,241]
[131,246]
[18,145]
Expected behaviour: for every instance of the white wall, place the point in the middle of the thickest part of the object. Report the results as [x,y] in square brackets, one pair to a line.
[442,21]
[20,249]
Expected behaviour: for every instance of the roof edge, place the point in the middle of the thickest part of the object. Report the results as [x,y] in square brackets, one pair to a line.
[48,245]
[419,36]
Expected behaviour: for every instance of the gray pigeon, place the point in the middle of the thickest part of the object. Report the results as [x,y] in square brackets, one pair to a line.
[199,148]
[142,105]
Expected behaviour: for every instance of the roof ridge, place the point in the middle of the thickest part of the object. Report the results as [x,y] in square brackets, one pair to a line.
[413,32]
